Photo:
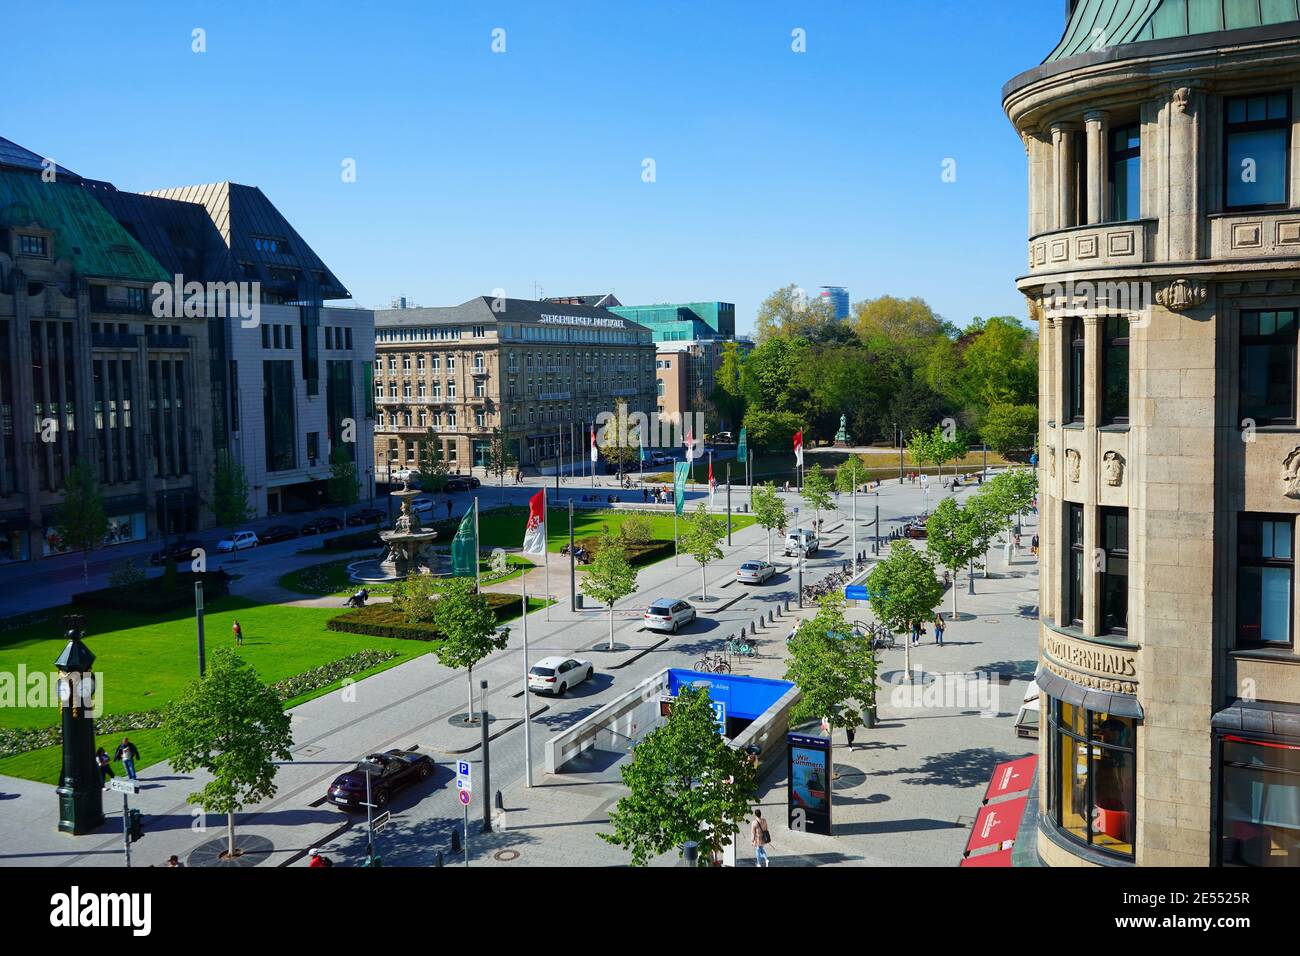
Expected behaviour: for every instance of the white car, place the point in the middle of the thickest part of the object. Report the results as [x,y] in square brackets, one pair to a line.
[240,541]
[422,506]
[661,458]
[405,474]
[668,615]
[555,675]
[804,540]
[755,572]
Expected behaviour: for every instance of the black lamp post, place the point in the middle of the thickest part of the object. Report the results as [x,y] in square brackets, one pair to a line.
[81,804]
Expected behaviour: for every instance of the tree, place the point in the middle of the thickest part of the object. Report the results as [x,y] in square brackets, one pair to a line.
[788,311]
[1015,489]
[935,447]
[1009,428]
[414,597]
[903,587]
[233,726]
[728,395]
[852,474]
[342,488]
[230,505]
[769,512]
[611,577]
[817,492]
[468,628]
[618,442]
[953,534]
[685,783]
[500,458]
[700,541]
[80,521]
[430,463]
[772,429]
[834,668]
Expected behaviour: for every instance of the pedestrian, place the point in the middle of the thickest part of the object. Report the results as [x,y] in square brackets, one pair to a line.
[315,859]
[938,629]
[239,633]
[105,767]
[1033,545]
[128,754]
[1017,541]
[761,837]
[645,494]
[173,862]
[849,730]
[916,633]
[449,506]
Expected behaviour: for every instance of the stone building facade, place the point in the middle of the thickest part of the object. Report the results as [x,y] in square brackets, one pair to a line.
[1164,270]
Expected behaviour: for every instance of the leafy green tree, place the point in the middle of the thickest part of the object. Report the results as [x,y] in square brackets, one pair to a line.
[684,783]
[1016,489]
[817,492]
[432,466]
[469,630]
[728,393]
[231,725]
[500,458]
[700,541]
[953,534]
[907,324]
[636,529]
[903,587]
[834,667]
[789,311]
[342,488]
[852,474]
[1009,428]
[769,512]
[935,447]
[230,505]
[620,442]
[414,597]
[610,577]
[80,521]
[1000,365]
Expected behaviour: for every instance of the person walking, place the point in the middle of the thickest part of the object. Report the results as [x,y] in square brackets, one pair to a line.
[449,506]
[317,860]
[173,862]
[938,629]
[105,767]
[916,633]
[849,731]
[1033,545]
[128,754]
[761,837]
[239,634]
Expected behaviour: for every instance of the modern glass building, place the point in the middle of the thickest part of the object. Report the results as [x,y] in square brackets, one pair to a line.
[838,297]
[683,322]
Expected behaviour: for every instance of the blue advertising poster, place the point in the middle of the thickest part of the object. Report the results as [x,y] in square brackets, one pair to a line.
[809,784]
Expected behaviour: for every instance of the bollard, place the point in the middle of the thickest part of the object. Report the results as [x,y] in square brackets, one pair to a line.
[438,860]
[496,801]
[753,629]
[771,617]
[787,606]
[455,841]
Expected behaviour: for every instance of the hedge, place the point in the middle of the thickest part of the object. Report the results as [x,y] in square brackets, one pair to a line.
[153,596]
[387,620]
[637,554]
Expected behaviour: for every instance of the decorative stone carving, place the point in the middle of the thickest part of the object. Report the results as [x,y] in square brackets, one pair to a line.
[1073,464]
[1051,460]
[1182,294]
[1181,97]
[1112,466]
[1291,474]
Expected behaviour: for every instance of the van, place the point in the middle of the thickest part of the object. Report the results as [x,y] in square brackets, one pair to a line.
[804,539]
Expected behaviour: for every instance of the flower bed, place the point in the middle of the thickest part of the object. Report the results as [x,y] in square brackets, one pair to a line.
[387,620]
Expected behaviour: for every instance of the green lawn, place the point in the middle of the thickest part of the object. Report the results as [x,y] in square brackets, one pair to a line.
[331,578]
[504,527]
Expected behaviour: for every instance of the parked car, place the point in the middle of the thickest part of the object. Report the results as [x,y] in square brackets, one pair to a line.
[366,516]
[668,615]
[322,525]
[555,675]
[755,572]
[914,530]
[724,438]
[404,474]
[175,551]
[455,485]
[801,540]
[239,541]
[281,532]
[661,458]
[398,769]
[469,480]
[422,506]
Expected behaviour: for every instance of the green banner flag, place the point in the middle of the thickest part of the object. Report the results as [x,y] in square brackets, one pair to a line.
[681,470]
[742,450]
[464,548]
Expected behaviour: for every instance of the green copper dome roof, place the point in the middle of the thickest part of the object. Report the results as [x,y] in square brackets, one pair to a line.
[1099,24]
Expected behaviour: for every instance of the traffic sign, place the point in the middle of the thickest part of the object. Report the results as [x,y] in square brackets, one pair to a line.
[857,592]
[720,715]
[464,797]
[463,769]
[124,785]
[381,822]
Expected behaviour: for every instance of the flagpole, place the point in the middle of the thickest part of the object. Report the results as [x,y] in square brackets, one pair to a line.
[478,587]
[546,563]
[528,737]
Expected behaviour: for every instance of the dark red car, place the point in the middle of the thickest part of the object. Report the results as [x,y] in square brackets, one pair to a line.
[394,770]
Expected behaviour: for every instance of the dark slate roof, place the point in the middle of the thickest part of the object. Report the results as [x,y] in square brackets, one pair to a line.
[84,232]
[1101,24]
[602,300]
[479,311]
[17,157]
[180,235]
[239,215]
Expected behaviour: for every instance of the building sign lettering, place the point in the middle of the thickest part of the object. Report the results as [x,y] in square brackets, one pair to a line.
[590,320]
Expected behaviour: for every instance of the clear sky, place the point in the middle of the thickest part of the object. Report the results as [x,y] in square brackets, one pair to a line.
[478,170]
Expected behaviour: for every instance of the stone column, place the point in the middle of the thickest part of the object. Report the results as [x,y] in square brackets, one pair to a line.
[1097,125]
[106,433]
[1064,179]
[1183,217]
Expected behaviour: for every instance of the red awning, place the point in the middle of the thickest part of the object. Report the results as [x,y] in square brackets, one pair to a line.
[1012,777]
[996,858]
[996,824]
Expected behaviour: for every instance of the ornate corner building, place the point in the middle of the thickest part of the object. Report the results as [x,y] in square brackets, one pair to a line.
[1164,270]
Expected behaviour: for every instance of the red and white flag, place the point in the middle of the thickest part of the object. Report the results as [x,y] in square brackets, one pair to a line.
[593,443]
[690,445]
[713,482]
[798,448]
[535,532]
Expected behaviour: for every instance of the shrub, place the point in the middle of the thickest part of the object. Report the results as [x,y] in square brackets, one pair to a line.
[638,555]
[414,598]
[388,620]
[636,529]
[126,575]
[147,597]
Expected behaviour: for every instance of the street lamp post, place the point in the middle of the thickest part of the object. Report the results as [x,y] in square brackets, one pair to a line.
[899,433]
[487,766]
[80,791]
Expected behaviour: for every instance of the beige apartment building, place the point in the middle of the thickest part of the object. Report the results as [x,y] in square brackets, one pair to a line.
[1164,268]
[540,372]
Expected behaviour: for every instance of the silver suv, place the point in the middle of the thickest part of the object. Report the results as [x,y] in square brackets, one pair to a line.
[667,614]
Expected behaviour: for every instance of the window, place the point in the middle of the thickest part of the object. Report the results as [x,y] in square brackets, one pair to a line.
[392,363]
[419,363]
[1124,173]
[313,446]
[1092,768]
[1114,383]
[451,361]
[329,338]
[437,389]
[135,299]
[288,336]
[1257,139]
[1114,571]
[480,389]
[406,362]
[480,419]
[1265,568]
[1076,370]
[420,391]
[451,389]
[266,336]
[1268,358]
[451,423]
[478,361]
[1074,576]
[1259,800]
[31,245]
[347,337]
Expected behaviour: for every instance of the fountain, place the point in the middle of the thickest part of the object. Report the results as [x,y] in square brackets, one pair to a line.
[408,550]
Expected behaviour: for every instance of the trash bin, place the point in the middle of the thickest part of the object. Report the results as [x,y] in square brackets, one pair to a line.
[579,601]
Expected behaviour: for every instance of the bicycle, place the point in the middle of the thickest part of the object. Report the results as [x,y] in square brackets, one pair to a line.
[740,649]
[710,664]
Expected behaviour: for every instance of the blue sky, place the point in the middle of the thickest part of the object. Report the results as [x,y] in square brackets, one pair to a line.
[478,170]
